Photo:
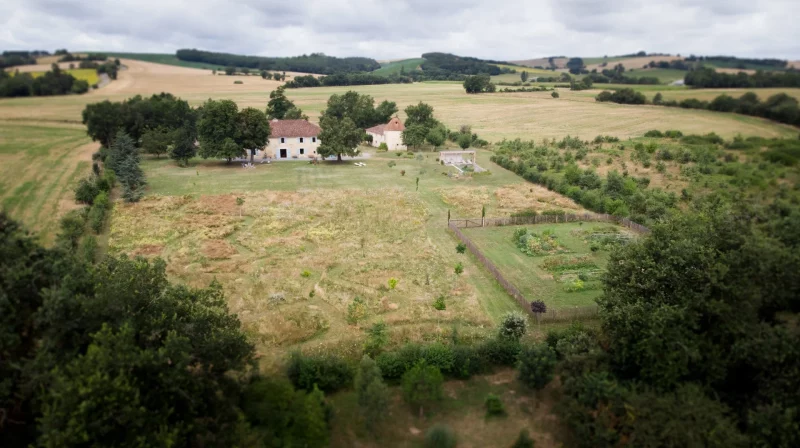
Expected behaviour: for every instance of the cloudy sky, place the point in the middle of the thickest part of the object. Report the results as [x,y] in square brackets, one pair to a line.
[382,29]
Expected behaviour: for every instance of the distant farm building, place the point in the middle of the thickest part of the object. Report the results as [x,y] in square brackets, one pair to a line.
[292,139]
[390,133]
[461,160]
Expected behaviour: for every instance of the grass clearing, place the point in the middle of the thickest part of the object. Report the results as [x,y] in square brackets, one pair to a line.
[551,278]
[393,67]
[39,166]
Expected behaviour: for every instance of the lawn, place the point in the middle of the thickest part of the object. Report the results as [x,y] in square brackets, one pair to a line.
[39,165]
[530,273]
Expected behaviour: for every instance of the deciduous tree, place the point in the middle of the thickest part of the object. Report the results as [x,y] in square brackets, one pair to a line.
[338,137]
[253,130]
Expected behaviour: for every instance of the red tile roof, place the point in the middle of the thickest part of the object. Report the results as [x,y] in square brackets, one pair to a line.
[293,128]
[393,125]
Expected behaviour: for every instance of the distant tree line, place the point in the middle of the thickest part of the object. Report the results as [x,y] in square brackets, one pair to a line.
[14,58]
[734,62]
[779,107]
[677,64]
[69,57]
[53,82]
[436,63]
[347,79]
[313,63]
[710,78]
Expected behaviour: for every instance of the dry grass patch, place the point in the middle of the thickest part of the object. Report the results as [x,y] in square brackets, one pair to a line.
[520,197]
[292,263]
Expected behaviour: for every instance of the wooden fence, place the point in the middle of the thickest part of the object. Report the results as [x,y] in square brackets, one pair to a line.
[546,219]
[560,315]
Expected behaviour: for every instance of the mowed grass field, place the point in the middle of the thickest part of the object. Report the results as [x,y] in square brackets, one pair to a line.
[39,166]
[527,272]
[308,239]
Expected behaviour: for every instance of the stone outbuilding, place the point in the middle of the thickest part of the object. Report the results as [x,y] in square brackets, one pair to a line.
[390,133]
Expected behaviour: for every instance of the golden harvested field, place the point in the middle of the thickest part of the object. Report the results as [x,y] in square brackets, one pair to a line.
[634,63]
[493,117]
[710,94]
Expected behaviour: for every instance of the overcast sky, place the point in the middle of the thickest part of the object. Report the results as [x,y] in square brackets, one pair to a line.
[496,29]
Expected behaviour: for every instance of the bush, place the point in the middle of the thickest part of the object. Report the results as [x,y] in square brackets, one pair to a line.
[377,338]
[328,373]
[393,163]
[513,325]
[524,440]
[554,94]
[538,306]
[440,436]
[422,384]
[459,269]
[356,311]
[461,248]
[383,146]
[238,82]
[467,361]
[438,355]
[499,352]
[88,248]
[392,283]
[86,190]
[439,303]
[72,227]
[654,134]
[494,406]
[536,365]
[373,394]
[305,274]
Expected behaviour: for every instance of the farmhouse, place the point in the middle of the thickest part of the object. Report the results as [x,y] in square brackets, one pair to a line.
[390,133]
[292,139]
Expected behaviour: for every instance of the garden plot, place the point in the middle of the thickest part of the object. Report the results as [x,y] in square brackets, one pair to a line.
[294,263]
[560,264]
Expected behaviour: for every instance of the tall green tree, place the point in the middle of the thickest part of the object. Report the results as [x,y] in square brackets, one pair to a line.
[524,76]
[420,114]
[183,146]
[279,104]
[218,130]
[478,84]
[253,130]
[338,136]
[359,108]
[103,120]
[414,135]
[155,141]
[422,385]
[436,136]
[373,394]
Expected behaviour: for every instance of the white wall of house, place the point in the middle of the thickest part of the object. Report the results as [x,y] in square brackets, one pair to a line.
[393,140]
[292,147]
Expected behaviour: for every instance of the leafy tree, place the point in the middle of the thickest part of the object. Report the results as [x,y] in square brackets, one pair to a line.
[338,136]
[230,70]
[253,130]
[420,115]
[358,108]
[554,94]
[536,365]
[377,338]
[575,65]
[440,436]
[422,384]
[658,98]
[464,141]
[113,353]
[435,137]
[524,76]
[279,104]
[373,394]
[218,130]
[414,135]
[513,325]
[155,141]
[478,84]
[103,120]
[295,113]
[524,440]
[183,147]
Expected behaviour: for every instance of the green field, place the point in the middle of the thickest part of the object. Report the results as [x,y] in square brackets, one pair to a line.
[665,75]
[163,58]
[592,61]
[390,68]
[39,165]
[526,272]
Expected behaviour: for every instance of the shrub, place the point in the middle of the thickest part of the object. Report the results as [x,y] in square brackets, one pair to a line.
[461,248]
[393,163]
[356,311]
[554,94]
[513,325]
[673,134]
[438,355]
[377,338]
[576,285]
[88,248]
[402,172]
[305,274]
[467,362]
[499,352]
[328,373]
[439,303]
[440,436]
[392,283]
[97,218]
[238,82]
[524,440]
[538,306]
[86,190]
[459,269]
[494,406]
[391,365]
[536,365]
[72,227]
[422,384]
[654,134]
[382,146]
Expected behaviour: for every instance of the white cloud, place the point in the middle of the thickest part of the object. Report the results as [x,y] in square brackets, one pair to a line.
[496,29]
